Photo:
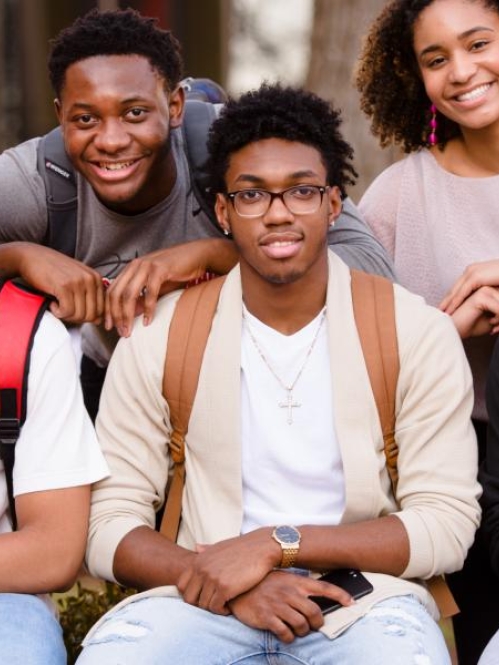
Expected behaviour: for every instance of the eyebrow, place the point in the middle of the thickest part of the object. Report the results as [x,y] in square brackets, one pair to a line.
[436,47]
[296,175]
[135,99]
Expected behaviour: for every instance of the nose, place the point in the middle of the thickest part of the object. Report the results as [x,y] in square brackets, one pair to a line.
[463,68]
[278,212]
[111,136]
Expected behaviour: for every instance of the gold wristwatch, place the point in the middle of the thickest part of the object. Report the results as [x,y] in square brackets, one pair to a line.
[289,539]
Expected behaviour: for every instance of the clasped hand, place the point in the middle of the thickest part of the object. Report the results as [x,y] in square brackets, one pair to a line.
[238,576]
[473,301]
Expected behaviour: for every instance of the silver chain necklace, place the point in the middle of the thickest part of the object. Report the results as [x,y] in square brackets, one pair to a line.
[289,403]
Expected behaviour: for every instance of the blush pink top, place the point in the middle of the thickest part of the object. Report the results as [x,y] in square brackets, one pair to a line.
[434,224]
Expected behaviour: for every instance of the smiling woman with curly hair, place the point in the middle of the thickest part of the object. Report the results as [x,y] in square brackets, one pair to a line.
[428,76]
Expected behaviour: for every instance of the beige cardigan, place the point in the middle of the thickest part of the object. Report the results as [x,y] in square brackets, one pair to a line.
[437,489]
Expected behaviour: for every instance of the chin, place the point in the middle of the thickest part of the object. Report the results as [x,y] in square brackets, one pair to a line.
[279,278]
[114,199]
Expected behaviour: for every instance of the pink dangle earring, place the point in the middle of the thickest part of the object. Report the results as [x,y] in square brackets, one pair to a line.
[432,138]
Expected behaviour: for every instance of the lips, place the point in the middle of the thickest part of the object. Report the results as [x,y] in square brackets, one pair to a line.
[476,93]
[281,245]
[114,171]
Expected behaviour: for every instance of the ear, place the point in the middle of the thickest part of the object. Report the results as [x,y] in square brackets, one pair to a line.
[58,110]
[222,213]
[335,204]
[176,102]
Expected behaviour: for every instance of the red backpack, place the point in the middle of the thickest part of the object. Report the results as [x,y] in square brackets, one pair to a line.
[21,310]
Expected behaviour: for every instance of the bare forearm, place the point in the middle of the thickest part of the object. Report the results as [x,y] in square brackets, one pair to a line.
[380,545]
[11,257]
[46,552]
[33,561]
[145,559]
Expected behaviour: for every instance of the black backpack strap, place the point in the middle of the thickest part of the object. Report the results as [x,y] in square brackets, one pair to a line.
[20,313]
[59,178]
[198,116]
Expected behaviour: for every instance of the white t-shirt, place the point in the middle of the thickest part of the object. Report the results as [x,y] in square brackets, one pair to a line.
[58,446]
[292,473]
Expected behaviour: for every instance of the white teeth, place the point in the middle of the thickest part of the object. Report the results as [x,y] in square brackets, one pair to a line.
[473,94]
[115,166]
[281,243]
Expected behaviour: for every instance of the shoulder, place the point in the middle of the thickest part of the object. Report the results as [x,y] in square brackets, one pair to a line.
[387,182]
[24,155]
[52,347]
[50,335]
[145,349]
[412,308]
[22,191]
[424,330]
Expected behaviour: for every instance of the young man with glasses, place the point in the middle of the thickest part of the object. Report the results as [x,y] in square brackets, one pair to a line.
[285,469]
[116,77]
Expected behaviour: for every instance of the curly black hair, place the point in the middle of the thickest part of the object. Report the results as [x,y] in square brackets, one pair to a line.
[120,32]
[392,91]
[274,111]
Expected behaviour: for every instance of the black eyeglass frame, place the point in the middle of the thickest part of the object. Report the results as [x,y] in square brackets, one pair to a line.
[322,189]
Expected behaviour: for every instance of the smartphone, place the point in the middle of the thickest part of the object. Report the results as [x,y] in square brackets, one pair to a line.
[349,579]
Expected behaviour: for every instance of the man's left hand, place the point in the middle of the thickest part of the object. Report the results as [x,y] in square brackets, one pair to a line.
[222,571]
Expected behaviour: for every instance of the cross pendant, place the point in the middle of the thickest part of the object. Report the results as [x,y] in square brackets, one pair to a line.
[289,405]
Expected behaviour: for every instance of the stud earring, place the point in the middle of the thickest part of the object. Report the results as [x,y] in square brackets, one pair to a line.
[226,232]
[432,138]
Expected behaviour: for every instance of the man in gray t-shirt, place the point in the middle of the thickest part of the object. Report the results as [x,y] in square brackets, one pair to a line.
[116,78]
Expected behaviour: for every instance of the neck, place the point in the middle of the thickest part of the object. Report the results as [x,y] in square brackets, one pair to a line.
[475,154]
[285,307]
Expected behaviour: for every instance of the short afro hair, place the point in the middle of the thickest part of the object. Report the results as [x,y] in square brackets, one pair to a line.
[120,32]
[388,78]
[274,111]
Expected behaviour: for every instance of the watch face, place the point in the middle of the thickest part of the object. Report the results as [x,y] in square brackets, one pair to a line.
[287,534]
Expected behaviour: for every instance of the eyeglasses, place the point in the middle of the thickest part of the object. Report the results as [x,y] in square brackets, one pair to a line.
[299,200]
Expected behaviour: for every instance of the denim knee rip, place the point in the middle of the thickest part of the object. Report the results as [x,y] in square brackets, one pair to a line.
[396,621]
[119,630]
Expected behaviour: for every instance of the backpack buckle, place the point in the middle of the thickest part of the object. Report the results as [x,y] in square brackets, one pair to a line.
[10,429]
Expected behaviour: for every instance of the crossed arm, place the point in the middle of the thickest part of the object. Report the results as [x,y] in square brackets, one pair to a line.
[239,575]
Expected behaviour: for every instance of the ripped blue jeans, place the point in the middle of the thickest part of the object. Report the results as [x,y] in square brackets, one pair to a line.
[167,631]
[29,632]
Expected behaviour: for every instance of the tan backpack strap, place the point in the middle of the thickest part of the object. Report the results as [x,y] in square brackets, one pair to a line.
[374,312]
[189,330]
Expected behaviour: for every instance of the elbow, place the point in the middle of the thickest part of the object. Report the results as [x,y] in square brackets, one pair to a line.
[63,573]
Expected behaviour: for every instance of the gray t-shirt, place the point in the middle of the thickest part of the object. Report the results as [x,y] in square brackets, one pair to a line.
[107,241]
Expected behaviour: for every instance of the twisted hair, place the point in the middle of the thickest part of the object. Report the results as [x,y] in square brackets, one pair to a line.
[121,32]
[392,91]
[287,113]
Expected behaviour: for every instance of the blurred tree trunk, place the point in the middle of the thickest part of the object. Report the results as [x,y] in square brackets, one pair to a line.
[10,89]
[337,31]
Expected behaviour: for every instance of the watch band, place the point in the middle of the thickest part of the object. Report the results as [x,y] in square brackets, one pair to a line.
[289,555]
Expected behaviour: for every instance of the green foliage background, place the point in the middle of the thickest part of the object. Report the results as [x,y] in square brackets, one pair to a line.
[80,608]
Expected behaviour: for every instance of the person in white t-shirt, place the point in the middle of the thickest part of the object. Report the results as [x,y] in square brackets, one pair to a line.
[285,467]
[57,459]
